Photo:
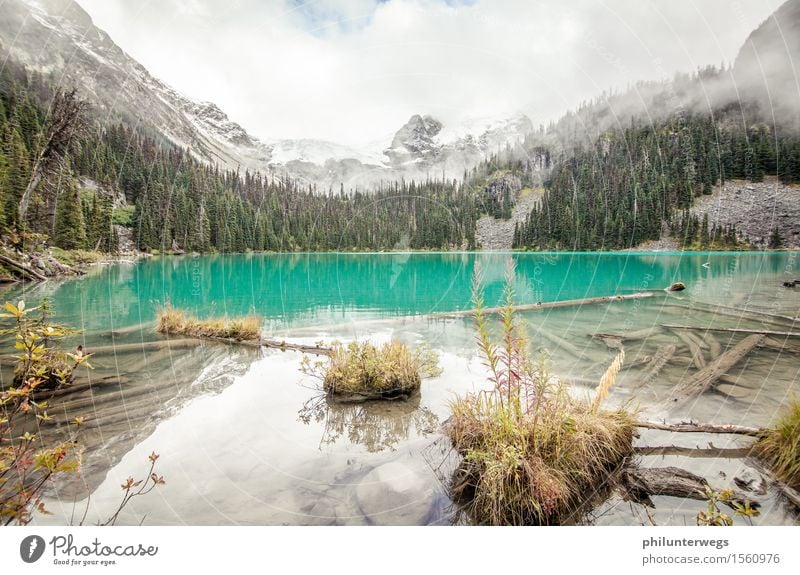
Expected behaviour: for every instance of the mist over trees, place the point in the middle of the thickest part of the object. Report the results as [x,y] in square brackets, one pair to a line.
[606,185]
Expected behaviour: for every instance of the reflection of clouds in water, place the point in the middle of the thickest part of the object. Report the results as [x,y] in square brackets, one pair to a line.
[377,425]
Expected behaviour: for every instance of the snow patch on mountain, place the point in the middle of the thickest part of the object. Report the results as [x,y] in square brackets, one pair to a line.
[58,38]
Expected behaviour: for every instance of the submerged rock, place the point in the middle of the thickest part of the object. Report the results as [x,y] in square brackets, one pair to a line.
[395,494]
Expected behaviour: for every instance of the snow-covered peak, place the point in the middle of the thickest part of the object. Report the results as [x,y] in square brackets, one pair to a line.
[58,38]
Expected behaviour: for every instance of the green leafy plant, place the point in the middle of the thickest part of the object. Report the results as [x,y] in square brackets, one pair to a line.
[26,466]
[29,463]
[714,516]
[39,365]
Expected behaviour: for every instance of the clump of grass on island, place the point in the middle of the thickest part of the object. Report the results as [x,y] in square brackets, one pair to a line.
[531,453]
[173,321]
[779,446]
[360,371]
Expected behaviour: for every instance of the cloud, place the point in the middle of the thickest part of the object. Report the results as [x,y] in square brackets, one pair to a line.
[353,71]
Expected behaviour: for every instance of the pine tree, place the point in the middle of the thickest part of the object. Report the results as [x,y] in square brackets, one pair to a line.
[70,232]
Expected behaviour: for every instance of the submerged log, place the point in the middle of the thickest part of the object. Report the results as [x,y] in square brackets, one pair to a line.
[660,359]
[731,330]
[632,336]
[749,314]
[642,483]
[560,342]
[636,362]
[79,386]
[697,354]
[703,380]
[26,270]
[714,347]
[779,345]
[691,427]
[143,346]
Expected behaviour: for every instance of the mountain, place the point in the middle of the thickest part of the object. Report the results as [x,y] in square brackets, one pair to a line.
[424,142]
[58,38]
[767,69]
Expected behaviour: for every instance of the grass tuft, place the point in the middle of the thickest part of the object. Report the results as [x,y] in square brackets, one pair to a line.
[173,321]
[531,453]
[360,371]
[780,446]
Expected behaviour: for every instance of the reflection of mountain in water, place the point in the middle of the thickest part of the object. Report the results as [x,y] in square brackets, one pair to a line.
[136,390]
[377,425]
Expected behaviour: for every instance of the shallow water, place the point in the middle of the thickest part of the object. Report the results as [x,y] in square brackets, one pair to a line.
[245,437]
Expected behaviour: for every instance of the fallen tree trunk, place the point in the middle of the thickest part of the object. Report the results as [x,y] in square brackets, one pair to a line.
[560,342]
[553,304]
[144,346]
[642,483]
[636,362]
[76,387]
[284,346]
[632,336]
[700,452]
[714,347]
[753,315]
[690,427]
[732,330]
[701,381]
[26,270]
[660,359]
[697,354]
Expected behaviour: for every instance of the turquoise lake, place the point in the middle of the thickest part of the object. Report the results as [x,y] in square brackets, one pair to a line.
[293,290]
[246,438]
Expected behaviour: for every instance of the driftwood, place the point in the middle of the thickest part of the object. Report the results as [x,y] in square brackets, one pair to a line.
[470,312]
[552,304]
[26,270]
[640,484]
[699,452]
[732,330]
[697,354]
[690,427]
[704,379]
[660,359]
[302,348]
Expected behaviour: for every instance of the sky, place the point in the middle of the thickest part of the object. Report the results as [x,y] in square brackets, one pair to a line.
[354,71]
